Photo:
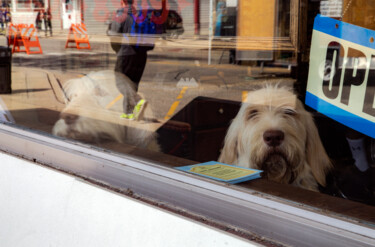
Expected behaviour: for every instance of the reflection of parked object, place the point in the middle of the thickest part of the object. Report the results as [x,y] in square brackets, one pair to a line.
[78,36]
[5,70]
[23,38]
[91,115]
[274,133]
[173,26]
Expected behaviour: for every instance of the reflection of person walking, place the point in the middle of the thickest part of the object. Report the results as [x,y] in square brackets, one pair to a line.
[38,20]
[47,21]
[131,58]
[2,19]
[7,17]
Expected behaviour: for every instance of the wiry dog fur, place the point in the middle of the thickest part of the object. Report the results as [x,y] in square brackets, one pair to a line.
[91,116]
[273,132]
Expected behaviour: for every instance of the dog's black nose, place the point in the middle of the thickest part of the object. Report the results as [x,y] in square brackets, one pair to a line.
[273,138]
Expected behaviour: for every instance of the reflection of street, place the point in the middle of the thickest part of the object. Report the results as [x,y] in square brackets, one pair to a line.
[36,98]
[37,79]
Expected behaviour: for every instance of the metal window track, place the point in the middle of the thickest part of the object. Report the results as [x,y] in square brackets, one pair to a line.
[230,204]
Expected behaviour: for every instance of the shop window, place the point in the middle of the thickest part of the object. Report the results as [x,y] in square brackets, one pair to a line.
[28,4]
[183,78]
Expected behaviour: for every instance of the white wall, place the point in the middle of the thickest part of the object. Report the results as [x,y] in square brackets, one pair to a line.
[42,207]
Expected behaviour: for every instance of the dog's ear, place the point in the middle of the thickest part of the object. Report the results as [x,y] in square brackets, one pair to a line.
[316,155]
[229,152]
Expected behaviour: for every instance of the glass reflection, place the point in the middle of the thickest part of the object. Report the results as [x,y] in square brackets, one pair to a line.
[161,76]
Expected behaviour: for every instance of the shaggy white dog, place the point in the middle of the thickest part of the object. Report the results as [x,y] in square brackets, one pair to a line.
[273,132]
[92,113]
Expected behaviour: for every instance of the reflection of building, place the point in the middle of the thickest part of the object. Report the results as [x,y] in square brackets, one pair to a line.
[195,14]
[64,12]
[5,3]
[96,13]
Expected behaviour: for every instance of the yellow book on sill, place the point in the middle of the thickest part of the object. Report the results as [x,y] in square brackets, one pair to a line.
[222,172]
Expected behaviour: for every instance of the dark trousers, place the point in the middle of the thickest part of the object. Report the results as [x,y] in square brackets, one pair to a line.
[47,25]
[132,66]
[38,25]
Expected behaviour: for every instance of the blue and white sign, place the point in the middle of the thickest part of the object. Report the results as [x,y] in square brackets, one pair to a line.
[341,82]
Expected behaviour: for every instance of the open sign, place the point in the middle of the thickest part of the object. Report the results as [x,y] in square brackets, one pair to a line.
[341,82]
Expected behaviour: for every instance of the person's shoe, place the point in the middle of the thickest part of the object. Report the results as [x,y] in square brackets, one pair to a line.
[137,112]
[127,116]
[139,109]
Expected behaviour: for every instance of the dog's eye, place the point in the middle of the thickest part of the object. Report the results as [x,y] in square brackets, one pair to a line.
[290,112]
[252,114]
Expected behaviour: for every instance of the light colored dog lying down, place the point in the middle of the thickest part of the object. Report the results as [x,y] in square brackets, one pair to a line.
[273,132]
[93,109]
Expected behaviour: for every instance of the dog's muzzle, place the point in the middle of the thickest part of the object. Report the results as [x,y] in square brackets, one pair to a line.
[276,166]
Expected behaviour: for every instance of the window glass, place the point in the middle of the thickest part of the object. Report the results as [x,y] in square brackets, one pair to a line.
[24,4]
[218,80]
[27,4]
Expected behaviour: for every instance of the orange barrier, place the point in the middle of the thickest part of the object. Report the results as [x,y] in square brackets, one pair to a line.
[31,40]
[24,35]
[12,33]
[78,35]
